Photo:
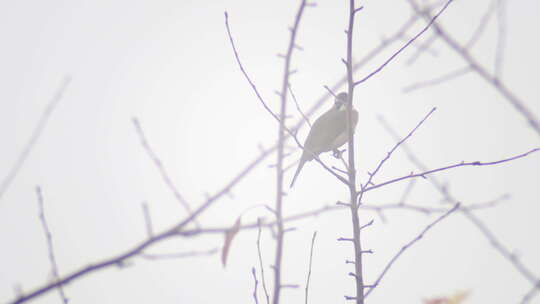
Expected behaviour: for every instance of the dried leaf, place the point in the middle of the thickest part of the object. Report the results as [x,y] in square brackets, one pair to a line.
[229,236]
[457,298]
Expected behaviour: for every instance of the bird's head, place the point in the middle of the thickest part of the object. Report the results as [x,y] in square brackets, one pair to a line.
[341,101]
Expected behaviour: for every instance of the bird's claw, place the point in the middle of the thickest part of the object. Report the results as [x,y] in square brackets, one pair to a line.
[337,153]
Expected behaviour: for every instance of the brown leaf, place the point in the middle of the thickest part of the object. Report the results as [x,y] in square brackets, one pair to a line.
[229,236]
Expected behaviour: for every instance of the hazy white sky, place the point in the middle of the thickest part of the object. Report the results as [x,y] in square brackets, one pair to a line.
[170,64]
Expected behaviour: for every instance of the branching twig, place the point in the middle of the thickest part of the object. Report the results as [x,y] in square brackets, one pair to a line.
[48,237]
[389,154]
[492,79]
[382,66]
[353,194]
[137,249]
[490,236]
[36,133]
[461,164]
[408,245]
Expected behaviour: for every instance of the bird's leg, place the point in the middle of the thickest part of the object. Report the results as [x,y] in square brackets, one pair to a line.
[338,153]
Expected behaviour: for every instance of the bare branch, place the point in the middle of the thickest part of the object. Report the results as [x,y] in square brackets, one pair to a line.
[310,262]
[36,134]
[147,220]
[256,283]
[408,245]
[137,249]
[441,79]
[261,261]
[492,79]
[382,66]
[461,164]
[180,255]
[298,106]
[48,237]
[389,154]
[490,236]
[159,165]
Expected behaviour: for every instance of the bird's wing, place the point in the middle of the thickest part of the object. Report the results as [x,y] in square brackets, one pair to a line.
[324,131]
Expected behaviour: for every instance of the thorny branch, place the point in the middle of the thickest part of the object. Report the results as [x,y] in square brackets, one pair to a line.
[280,151]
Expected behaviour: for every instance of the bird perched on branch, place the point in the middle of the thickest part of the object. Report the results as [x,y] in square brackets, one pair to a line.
[329,132]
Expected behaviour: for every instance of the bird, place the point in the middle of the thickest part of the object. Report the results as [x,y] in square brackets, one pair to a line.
[328,133]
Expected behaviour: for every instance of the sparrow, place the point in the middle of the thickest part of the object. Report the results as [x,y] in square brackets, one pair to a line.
[328,133]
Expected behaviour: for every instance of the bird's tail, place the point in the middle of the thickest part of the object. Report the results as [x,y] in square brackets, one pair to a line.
[300,165]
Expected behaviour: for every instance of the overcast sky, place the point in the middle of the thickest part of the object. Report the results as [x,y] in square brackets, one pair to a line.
[170,64]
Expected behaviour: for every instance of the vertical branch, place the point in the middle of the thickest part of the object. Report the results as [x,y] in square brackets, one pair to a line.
[359,278]
[48,236]
[280,154]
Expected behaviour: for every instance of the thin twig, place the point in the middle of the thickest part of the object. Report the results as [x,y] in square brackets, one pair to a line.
[481,26]
[138,248]
[408,245]
[256,283]
[488,234]
[435,81]
[492,79]
[461,164]
[389,154]
[36,134]
[298,106]
[48,237]
[147,220]
[382,66]
[310,262]
[159,165]
[290,132]
[261,261]
[180,255]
